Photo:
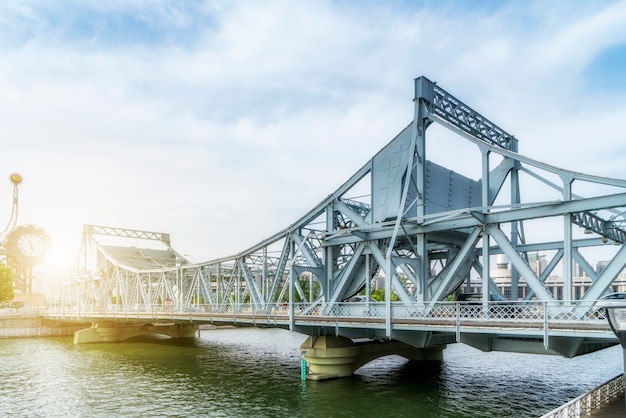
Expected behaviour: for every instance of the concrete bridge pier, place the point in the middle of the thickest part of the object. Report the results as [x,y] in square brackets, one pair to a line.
[331,357]
[109,331]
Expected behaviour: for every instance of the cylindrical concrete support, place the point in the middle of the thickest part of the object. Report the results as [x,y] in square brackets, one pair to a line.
[331,357]
[99,332]
[109,331]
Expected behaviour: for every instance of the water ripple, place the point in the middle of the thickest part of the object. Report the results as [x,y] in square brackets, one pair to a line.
[256,373]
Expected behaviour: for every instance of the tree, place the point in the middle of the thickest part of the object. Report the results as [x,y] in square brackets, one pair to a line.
[311,287]
[379,295]
[6,283]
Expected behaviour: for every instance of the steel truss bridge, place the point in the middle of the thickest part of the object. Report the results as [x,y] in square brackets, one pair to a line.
[413,230]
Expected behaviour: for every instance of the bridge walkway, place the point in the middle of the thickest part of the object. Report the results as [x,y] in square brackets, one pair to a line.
[516,327]
[614,409]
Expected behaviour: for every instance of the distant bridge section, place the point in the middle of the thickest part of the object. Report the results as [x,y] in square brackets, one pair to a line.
[413,230]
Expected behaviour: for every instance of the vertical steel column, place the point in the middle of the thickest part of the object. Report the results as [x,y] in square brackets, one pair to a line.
[126,299]
[292,279]
[424,96]
[218,283]
[329,255]
[179,288]
[485,204]
[237,269]
[150,290]
[196,283]
[486,268]
[264,286]
[515,200]
[567,242]
[388,278]
[368,280]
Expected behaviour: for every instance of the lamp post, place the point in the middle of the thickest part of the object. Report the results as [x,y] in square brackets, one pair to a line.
[615,307]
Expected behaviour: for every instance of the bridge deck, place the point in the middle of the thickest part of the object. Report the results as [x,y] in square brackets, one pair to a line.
[532,321]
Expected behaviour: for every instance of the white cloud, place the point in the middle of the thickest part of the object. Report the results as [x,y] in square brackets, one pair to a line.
[225,123]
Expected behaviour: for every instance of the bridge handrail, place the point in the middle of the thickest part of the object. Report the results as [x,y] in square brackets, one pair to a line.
[589,401]
[542,313]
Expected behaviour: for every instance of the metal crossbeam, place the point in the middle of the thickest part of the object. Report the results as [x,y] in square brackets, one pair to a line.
[465,118]
[592,222]
[126,233]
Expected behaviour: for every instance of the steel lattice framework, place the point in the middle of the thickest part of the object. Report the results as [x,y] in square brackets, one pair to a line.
[420,224]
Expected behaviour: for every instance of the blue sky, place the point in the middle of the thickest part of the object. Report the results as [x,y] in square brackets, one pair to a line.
[222,122]
[606,71]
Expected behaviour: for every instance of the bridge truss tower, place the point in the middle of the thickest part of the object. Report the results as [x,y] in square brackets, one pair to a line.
[403,223]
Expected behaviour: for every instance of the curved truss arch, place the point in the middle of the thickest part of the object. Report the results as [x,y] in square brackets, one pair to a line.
[422,228]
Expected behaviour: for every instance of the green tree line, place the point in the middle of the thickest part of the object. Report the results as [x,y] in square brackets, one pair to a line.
[6,283]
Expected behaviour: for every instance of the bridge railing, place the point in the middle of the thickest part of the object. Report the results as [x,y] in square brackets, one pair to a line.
[506,311]
[541,313]
[586,403]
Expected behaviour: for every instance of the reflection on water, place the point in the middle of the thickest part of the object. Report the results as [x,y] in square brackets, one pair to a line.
[256,373]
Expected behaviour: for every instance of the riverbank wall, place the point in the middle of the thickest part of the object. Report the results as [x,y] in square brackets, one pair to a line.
[26,322]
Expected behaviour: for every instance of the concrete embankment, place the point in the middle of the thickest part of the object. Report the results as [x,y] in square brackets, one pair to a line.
[26,322]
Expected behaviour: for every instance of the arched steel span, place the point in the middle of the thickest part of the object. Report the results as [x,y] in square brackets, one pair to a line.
[421,224]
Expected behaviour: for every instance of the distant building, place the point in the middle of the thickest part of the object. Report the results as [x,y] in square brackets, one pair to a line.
[601,266]
[581,282]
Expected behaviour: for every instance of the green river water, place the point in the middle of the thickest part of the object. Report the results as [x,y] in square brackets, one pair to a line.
[251,372]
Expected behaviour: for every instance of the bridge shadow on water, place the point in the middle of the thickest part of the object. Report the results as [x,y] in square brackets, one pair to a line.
[400,370]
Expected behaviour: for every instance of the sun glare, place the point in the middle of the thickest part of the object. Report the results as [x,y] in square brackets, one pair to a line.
[60,256]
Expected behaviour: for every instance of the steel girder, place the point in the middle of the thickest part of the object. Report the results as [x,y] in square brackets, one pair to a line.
[420,224]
